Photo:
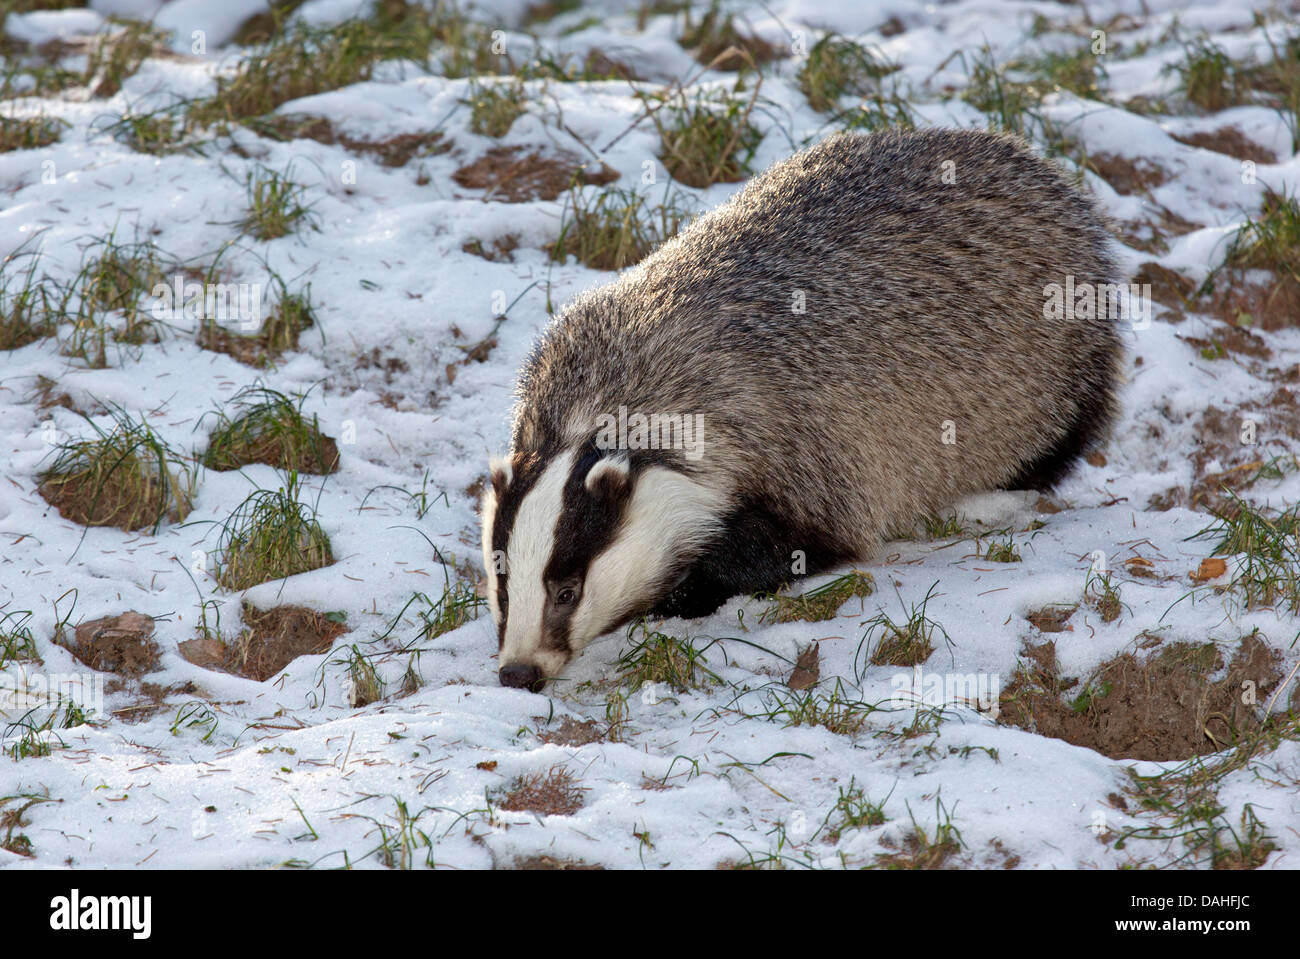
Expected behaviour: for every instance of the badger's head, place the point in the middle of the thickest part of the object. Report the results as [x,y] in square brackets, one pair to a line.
[577,542]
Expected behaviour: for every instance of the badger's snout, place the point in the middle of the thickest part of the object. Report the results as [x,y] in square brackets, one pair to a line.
[522,677]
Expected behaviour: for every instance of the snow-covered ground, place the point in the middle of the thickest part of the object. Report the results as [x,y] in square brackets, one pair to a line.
[290,771]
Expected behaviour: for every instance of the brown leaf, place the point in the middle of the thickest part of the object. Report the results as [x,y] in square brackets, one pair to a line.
[1211,568]
[807,668]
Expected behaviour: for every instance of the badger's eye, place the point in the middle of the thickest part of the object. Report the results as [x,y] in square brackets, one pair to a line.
[567,596]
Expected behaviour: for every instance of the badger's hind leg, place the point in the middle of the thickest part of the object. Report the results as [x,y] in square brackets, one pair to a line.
[756,552]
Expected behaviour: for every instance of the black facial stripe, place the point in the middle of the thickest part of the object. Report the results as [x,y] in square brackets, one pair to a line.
[586,526]
[527,468]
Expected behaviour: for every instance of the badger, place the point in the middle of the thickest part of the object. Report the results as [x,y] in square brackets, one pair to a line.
[856,338]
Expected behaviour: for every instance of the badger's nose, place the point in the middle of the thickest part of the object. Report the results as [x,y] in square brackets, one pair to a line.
[522,677]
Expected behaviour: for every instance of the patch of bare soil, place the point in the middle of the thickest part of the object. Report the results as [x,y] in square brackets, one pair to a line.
[550,862]
[554,793]
[153,701]
[515,176]
[570,732]
[1231,142]
[270,640]
[917,852]
[1167,286]
[1163,707]
[1051,619]
[1125,174]
[1267,306]
[396,151]
[502,248]
[121,644]
[254,351]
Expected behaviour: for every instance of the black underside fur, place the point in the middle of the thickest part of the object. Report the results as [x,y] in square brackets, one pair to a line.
[755,552]
[1094,415]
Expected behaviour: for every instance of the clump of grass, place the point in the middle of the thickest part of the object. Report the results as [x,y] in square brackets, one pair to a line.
[820,604]
[837,67]
[364,685]
[879,111]
[494,107]
[1279,81]
[158,133]
[1207,76]
[943,527]
[28,304]
[271,429]
[1270,241]
[835,710]
[116,281]
[1006,102]
[904,643]
[290,315]
[1081,72]
[1003,551]
[29,133]
[198,716]
[554,793]
[1102,595]
[40,738]
[118,54]
[126,477]
[922,850]
[613,228]
[659,658]
[301,61]
[853,811]
[1268,574]
[275,207]
[17,643]
[718,43]
[457,605]
[271,535]
[707,138]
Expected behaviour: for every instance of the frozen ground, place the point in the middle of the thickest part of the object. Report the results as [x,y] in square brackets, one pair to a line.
[289,771]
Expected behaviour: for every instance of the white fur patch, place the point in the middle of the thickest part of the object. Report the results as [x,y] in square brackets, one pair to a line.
[488,511]
[609,466]
[670,516]
[531,542]
[502,464]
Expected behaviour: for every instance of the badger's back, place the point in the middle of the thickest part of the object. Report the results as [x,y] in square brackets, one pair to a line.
[862,330]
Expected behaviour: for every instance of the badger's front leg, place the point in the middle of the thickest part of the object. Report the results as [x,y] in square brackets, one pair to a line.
[756,552]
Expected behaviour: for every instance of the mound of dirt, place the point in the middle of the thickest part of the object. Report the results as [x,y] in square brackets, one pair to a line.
[270,641]
[1164,707]
[117,644]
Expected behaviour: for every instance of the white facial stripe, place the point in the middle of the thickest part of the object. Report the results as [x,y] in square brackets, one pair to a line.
[531,541]
[489,513]
[670,516]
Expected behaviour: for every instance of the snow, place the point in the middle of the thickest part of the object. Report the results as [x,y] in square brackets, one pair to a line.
[292,771]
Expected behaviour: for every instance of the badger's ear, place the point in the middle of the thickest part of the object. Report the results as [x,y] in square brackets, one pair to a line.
[502,474]
[610,478]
